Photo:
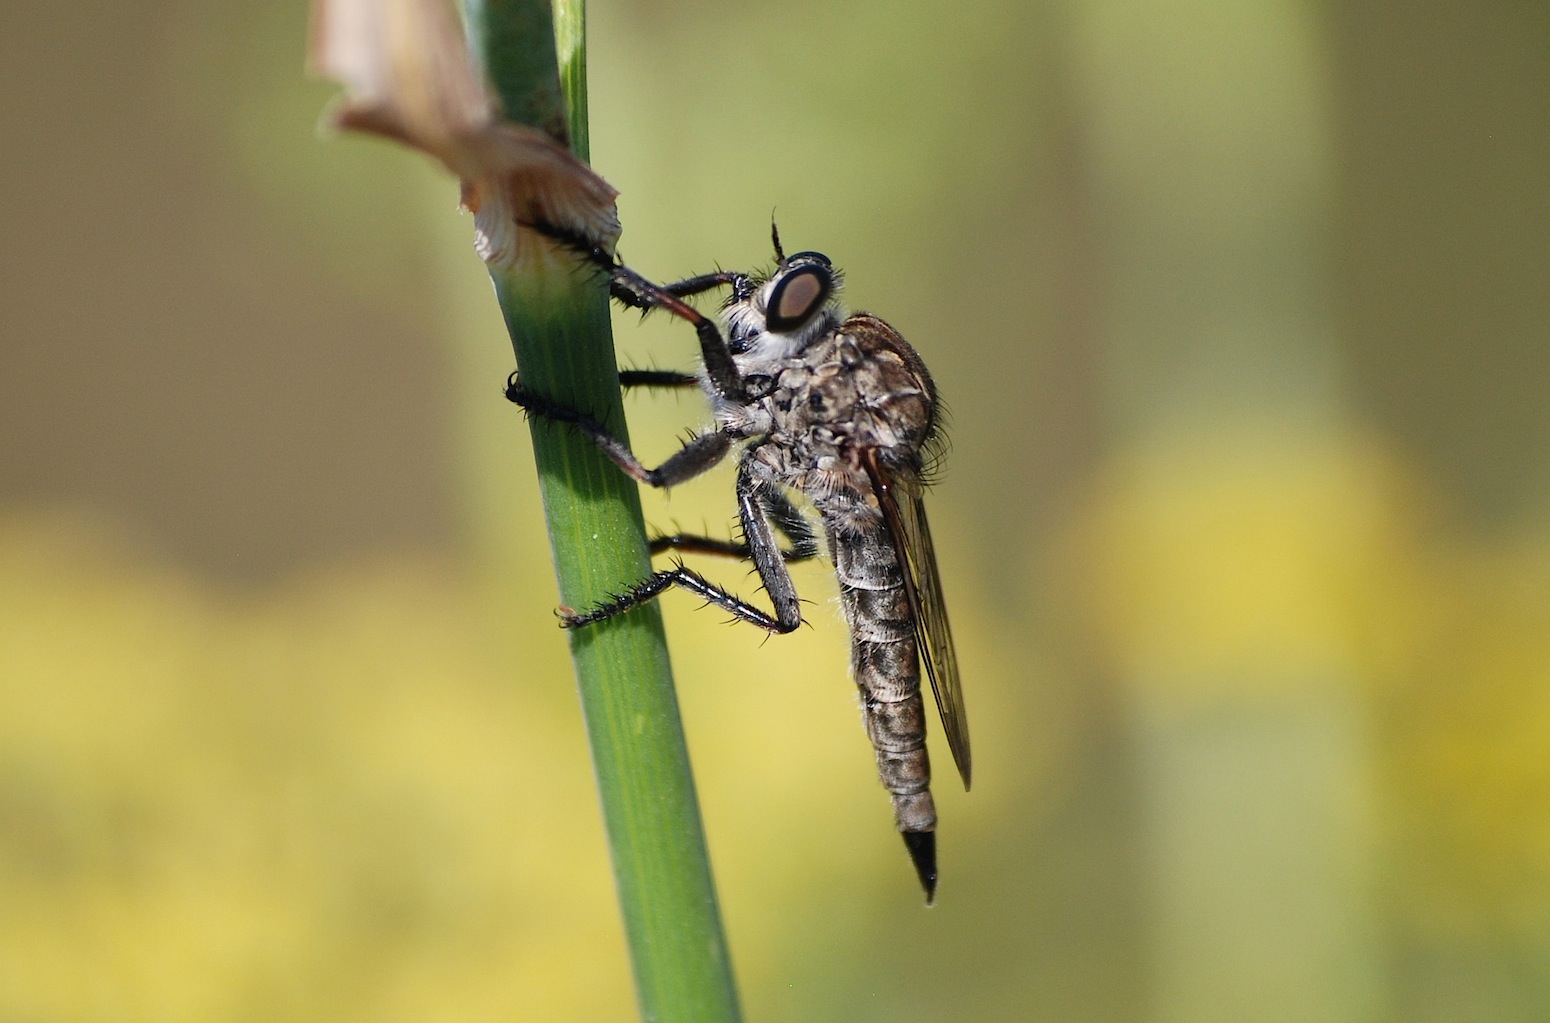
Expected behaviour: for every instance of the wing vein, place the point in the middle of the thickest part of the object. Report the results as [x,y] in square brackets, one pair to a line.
[900,497]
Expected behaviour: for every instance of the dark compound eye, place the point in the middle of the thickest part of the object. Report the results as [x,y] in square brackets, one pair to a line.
[798,296]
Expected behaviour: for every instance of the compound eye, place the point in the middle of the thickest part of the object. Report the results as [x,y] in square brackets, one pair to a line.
[797,297]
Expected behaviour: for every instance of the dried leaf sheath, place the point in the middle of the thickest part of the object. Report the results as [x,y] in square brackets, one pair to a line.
[407,75]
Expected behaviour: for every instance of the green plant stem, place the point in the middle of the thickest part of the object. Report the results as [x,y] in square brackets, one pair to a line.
[559,325]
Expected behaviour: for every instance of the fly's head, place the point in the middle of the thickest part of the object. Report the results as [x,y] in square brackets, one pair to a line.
[778,316]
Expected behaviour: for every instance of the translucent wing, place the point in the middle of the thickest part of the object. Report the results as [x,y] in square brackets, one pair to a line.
[900,496]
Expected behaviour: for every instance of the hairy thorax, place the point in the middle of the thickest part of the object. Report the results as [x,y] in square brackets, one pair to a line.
[813,412]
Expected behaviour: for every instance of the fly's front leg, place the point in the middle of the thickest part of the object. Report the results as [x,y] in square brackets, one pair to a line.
[762,550]
[631,288]
[695,457]
[702,283]
[635,291]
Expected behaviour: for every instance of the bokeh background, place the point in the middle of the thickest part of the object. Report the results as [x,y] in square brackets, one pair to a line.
[1242,314]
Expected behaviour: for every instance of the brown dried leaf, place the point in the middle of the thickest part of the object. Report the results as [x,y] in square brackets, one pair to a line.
[407,76]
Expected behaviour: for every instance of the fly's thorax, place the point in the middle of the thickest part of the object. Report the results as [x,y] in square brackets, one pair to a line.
[820,386]
[856,389]
[766,362]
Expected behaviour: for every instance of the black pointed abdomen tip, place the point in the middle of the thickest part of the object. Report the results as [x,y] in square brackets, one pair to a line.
[922,847]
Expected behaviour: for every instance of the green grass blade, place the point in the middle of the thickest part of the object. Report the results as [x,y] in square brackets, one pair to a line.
[559,325]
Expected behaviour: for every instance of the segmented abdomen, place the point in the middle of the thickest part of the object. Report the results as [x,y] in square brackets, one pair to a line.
[886,666]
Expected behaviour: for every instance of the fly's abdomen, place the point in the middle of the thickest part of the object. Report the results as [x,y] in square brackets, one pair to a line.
[886,666]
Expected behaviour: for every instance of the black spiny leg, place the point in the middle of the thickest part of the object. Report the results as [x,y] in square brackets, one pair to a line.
[635,291]
[761,548]
[695,457]
[629,287]
[658,583]
[665,378]
[759,534]
[783,515]
[695,543]
[702,283]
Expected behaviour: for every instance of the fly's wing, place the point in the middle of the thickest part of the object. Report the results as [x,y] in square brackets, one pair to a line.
[900,496]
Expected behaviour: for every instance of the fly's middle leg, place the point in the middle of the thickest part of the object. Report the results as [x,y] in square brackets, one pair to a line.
[664,378]
[699,455]
[782,513]
[695,543]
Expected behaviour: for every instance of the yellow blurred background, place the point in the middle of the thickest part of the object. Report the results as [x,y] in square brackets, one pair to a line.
[1241,312]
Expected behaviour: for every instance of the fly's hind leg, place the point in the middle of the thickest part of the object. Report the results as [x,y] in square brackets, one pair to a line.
[761,547]
[686,578]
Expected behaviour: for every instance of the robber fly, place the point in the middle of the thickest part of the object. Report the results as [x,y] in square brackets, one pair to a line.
[830,412]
